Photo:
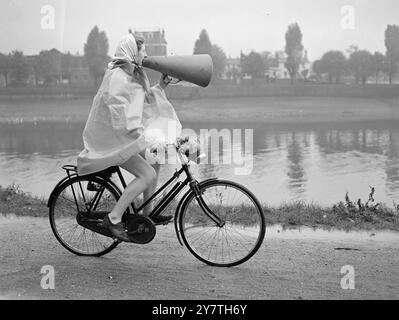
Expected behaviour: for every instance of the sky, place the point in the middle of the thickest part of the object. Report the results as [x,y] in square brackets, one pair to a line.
[235,26]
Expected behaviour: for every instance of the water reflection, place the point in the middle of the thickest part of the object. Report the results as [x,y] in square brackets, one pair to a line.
[49,139]
[296,172]
[392,166]
[310,162]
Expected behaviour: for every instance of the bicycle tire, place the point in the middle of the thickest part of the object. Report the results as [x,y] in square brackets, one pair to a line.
[184,222]
[110,243]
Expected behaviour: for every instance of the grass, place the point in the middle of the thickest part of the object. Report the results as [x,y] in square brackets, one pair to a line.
[345,215]
[339,216]
[14,201]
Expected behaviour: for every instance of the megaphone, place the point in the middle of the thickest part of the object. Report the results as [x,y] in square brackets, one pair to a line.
[196,68]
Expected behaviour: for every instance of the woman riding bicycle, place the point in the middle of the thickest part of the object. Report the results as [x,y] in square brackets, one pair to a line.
[115,133]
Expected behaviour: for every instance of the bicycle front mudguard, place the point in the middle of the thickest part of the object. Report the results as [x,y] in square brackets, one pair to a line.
[180,205]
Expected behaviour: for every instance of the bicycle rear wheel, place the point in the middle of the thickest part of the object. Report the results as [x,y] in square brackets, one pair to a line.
[242,233]
[79,198]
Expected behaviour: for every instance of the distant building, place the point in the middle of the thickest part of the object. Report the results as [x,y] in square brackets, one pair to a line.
[279,71]
[65,69]
[55,76]
[80,75]
[232,70]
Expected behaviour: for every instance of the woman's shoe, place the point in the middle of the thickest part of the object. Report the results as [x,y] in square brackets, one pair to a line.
[160,219]
[117,230]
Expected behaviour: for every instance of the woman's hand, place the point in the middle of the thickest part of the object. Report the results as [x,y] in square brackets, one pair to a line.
[164,81]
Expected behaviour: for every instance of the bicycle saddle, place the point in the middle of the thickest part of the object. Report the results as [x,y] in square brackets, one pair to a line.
[107,173]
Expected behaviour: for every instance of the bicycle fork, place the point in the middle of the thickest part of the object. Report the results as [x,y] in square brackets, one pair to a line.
[198,195]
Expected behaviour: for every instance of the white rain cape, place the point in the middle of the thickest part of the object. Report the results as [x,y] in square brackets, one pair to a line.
[125,119]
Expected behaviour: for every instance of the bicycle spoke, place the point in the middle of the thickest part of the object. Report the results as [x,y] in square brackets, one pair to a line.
[69,232]
[234,241]
[201,234]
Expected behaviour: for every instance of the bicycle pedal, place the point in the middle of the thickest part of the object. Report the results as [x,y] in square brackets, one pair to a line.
[162,220]
[164,223]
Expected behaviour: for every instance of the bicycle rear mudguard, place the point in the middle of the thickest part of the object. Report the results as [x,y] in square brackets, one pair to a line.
[179,206]
[72,173]
[52,194]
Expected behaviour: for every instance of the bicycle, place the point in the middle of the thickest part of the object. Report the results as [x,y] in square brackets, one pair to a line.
[216,231]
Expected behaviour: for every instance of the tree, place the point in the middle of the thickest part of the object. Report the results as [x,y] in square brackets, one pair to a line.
[294,50]
[268,60]
[19,68]
[305,74]
[48,66]
[316,67]
[361,65]
[66,66]
[378,65]
[56,65]
[253,65]
[40,66]
[333,63]
[5,66]
[203,45]
[352,48]
[219,61]
[96,53]
[392,54]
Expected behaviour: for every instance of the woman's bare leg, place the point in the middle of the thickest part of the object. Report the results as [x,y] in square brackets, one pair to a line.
[150,191]
[145,177]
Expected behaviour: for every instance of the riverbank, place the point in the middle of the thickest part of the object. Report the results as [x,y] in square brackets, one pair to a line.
[345,215]
[228,110]
[259,88]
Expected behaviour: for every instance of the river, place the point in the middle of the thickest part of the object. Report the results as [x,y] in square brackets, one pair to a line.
[315,162]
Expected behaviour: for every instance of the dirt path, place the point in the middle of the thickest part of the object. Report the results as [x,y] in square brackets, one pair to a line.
[288,266]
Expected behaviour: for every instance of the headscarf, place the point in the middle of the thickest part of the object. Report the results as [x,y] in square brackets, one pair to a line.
[126,58]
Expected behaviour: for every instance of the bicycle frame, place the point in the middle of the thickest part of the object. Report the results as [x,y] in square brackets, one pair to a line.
[174,191]
[95,193]
[164,202]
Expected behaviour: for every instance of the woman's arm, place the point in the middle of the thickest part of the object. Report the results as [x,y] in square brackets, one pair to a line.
[158,89]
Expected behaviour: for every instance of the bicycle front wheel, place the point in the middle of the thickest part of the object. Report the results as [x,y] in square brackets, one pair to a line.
[79,198]
[241,233]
